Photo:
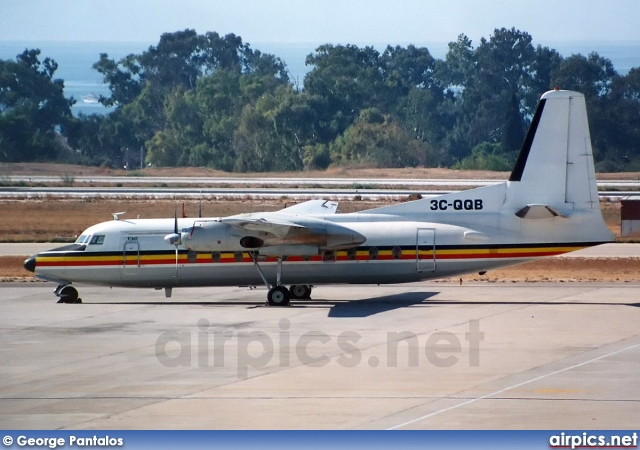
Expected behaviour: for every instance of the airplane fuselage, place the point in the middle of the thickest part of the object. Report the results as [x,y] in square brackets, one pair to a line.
[135,254]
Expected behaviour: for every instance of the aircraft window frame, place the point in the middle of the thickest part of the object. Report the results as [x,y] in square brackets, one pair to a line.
[396,252]
[192,256]
[328,256]
[352,254]
[82,239]
[97,239]
[238,256]
[373,253]
[215,257]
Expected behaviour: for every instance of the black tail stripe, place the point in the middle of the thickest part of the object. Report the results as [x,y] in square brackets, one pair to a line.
[518,169]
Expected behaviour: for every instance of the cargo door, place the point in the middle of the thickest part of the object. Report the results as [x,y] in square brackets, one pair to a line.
[426,250]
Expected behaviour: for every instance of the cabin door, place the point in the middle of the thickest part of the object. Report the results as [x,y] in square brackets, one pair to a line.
[426,250]
[131,258]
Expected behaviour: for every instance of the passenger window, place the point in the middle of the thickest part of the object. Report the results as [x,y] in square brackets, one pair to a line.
[373,253]
[98,239]
[328,255]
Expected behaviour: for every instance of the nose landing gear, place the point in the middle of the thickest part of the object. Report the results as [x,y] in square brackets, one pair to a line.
[67,294]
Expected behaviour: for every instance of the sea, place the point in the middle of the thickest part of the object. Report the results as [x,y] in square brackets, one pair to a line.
[84,84]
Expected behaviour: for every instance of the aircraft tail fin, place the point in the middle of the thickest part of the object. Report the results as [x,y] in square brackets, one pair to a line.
[555,165]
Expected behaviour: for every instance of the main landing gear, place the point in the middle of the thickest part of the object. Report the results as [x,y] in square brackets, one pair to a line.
[279,295]
[67,294]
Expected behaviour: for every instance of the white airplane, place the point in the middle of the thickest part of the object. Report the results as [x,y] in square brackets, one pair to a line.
[548,206]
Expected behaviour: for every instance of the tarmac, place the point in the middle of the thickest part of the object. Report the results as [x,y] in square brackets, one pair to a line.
[417,356]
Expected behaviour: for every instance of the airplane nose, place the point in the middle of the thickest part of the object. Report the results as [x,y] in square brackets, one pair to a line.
[30,264]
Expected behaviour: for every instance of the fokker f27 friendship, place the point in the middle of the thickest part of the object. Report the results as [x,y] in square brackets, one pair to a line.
[548,206]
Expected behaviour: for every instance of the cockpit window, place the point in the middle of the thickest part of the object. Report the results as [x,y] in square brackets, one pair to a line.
[82,239]
[98,239]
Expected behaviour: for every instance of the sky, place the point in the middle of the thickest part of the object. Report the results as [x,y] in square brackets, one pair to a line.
[361,22]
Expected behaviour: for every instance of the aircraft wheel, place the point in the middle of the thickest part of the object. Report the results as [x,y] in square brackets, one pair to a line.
[69,294]
[278,296]
[300,291]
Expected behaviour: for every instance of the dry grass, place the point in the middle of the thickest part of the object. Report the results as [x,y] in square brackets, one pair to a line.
[420,172]
[346,172]
[11,266]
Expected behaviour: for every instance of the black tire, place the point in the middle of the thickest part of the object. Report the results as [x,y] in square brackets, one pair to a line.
[278,296]
[300,291]
[69,294]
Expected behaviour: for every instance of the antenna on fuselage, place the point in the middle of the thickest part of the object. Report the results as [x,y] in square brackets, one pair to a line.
[116,216]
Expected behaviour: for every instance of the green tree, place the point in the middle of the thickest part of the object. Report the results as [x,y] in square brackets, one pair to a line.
[273,135]
[33,109]
[378,141]
[618,130]
[493,84]
[486,156]
[350,79]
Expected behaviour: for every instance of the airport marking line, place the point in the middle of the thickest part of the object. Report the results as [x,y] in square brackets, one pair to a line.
[515,386]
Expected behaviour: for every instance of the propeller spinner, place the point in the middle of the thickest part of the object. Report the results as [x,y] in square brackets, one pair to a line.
[174,238]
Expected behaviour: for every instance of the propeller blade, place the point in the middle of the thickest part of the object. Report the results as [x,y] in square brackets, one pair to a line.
[175,221]
[174,238]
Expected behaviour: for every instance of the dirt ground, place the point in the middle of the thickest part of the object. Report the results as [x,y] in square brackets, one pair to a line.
[337,172]
[333,172]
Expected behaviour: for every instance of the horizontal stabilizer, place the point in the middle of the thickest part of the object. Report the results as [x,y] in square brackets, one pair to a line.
[538,212]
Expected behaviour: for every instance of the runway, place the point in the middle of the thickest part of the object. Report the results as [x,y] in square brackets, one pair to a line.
[416,356]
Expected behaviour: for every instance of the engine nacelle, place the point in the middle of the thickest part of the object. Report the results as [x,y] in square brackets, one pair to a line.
[213,236]
[312,238]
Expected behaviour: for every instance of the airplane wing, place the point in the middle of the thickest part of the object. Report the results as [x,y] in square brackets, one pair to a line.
[262,222]
[278,223]
[269,229]
[312,207]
